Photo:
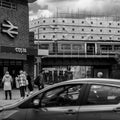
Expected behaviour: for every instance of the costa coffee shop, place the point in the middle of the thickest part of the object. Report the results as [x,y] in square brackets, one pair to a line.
[16,53]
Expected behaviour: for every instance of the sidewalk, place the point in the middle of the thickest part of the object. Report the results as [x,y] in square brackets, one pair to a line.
[15,97]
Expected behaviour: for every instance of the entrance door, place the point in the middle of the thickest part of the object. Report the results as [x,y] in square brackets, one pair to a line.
[90,48]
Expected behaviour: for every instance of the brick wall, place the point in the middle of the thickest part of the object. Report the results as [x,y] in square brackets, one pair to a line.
[18,17]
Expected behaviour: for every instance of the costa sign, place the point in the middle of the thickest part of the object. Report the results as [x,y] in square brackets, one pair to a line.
[9,29]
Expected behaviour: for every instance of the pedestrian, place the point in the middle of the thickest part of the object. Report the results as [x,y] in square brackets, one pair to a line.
[7,82]
[22,83]
[39,81]
[30,86]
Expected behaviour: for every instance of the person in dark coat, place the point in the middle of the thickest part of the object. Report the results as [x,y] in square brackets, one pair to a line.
[30,86]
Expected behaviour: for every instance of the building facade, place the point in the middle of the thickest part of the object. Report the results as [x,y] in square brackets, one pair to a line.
[15,51]
[90,43]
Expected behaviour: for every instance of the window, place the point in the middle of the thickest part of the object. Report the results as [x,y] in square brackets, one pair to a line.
[91,22]
[91,30]
[117,47]
[44,28]
[8,4]
[73,36]
[63,21]
[43,21]
[73,21]
[66,46]
[91,37]
[82,22]
[109,30]
[82,37]
[101,94]
[100,23]
[43,36]
[76,47]
[106,47]
[53,36]
[100,30]
[53,21]
[100,37]
[61,96]
[73,29]
[63,28]
[82,29]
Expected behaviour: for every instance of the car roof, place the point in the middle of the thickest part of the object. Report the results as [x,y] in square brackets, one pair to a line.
[95,80]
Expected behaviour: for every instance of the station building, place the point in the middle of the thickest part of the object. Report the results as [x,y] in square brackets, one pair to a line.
[15,51]
[87,45]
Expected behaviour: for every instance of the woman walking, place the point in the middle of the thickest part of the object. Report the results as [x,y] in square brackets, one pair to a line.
[7,82]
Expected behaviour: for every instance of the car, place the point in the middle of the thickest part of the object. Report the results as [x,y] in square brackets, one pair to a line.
[79,99]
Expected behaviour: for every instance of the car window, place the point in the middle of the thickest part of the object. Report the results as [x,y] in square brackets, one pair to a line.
[100,95]
[61,96]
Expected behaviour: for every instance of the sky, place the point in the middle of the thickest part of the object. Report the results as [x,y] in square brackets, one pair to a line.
[47,8]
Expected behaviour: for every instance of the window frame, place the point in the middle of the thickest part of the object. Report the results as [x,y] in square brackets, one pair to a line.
[88,91]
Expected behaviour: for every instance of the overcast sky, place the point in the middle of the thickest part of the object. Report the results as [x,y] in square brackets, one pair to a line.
[47,8]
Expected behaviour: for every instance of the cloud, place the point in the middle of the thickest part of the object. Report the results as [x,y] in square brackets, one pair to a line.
[109,7]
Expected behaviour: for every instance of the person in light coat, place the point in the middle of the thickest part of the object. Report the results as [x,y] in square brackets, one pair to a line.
[7,82]
[22,83]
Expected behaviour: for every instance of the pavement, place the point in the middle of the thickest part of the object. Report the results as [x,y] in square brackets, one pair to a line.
[15,96]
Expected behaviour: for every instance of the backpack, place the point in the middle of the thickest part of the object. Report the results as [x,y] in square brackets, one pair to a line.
[37,80]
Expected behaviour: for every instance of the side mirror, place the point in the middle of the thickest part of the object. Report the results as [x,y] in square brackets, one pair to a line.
[36,102]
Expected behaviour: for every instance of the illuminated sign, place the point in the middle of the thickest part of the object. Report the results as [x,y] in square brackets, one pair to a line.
[21,50]
[9,29]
